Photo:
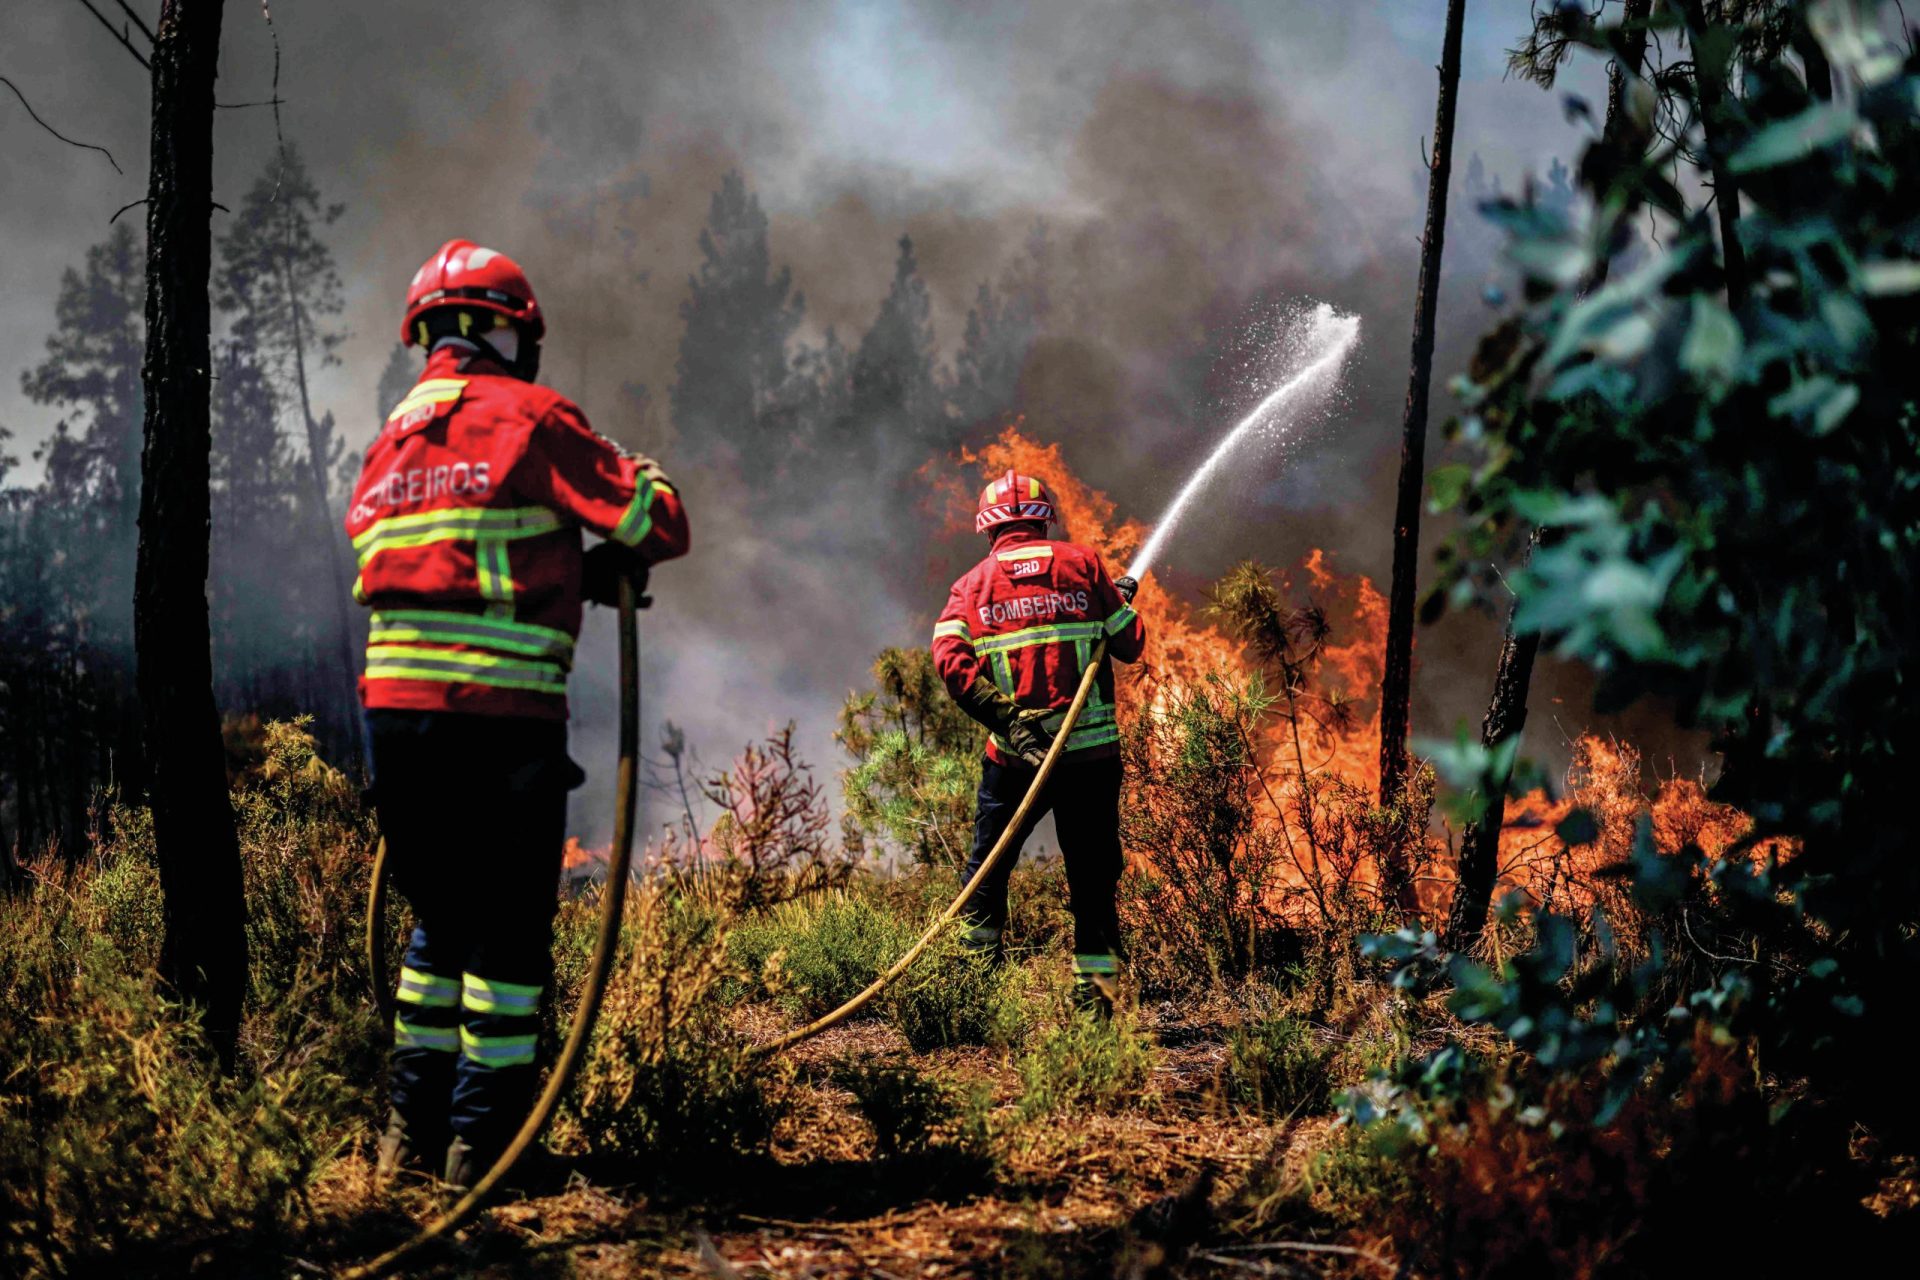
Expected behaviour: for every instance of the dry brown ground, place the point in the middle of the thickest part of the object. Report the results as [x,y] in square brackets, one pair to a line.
[1108,1194]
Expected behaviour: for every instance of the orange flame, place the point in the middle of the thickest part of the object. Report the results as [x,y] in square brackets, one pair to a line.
[1605,776]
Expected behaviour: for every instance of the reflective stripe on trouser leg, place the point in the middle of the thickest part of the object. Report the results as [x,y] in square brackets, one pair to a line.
[1088,968]
[494,1052]
[501,1024]
[426,1038]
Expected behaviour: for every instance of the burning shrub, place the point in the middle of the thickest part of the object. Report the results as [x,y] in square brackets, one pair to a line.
[1204,871]
[918,761]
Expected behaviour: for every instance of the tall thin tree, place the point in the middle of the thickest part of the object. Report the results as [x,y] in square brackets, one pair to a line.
[1396,684]
[1513,672]
[204,947]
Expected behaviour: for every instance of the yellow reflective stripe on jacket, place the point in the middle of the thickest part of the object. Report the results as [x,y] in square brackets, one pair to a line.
[433,391]
[1121,620]
[434,626]
[1050,633]
[454,524]
[1040,552]
[637,521]
[494,571]
[453,666]
[955,627]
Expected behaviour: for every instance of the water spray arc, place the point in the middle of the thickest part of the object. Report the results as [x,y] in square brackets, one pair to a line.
[1329,342]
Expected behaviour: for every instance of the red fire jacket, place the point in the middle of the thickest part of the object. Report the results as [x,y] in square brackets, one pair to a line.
[466,520]
[1027,617]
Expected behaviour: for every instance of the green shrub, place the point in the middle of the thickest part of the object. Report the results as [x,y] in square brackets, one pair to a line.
[666,1089]
[814,954]
[1088,1063]
[1275,1065]
[951,996]
[118,1136]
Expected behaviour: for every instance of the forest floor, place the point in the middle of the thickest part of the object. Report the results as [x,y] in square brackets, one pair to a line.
[1123,1193]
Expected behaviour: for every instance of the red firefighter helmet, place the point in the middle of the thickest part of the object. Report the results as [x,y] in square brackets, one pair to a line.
[466,275]
[1013,497]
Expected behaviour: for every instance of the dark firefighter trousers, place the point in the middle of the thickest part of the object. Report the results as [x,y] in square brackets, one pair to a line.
[474,812]
[1084,798]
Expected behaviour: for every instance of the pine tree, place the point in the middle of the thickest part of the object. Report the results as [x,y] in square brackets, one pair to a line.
[203,950]
[1001,328]
[90,497]
[733,375]
[895,388]
[279,282]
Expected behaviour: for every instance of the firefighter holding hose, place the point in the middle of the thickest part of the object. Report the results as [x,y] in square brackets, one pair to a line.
[467,522]
[1012,646]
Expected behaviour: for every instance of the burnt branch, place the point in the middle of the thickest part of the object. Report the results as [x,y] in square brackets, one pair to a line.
[118,34]
[87,146]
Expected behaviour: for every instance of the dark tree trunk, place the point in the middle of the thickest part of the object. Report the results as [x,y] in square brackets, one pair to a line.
[1711,93]
[204,952]
[1396,685]
[1513,674]
[1480,842]
[1622,70]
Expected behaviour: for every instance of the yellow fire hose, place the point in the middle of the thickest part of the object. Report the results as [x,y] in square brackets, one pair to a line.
[784,1042]
[605,946]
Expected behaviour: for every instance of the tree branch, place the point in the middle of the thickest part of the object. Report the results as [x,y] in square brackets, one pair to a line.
[56,133]
[119,35]
[138,21]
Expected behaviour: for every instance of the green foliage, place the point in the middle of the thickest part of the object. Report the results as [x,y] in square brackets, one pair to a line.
[913,1113]
[119,1136]
[1721,452]
[1276,1065]
[1088,1063]
[666,1089]
[917,761]
[953,996]
[814,955]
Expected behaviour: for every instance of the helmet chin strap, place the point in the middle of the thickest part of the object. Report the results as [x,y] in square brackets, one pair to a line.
[503,347]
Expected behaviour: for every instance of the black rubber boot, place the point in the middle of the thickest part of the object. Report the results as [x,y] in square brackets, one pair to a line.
[1095,995]
[400,1148]
[464,1165]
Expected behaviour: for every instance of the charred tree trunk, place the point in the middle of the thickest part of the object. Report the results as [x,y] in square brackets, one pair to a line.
[1513,674]
[1396,685]
[204,951]
[1480,842]
[1711,92]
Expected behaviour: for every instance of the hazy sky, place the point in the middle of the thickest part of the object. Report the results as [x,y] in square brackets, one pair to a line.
[1186,157]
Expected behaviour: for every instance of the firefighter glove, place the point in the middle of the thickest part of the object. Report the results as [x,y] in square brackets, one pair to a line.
[986,704]
[603,568]
[1029,736]
[1127,586]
